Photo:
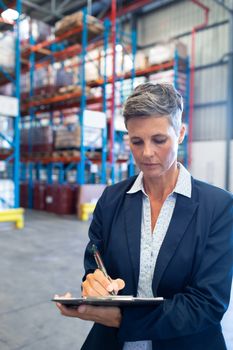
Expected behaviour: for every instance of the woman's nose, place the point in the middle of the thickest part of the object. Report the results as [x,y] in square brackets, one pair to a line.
[148,151]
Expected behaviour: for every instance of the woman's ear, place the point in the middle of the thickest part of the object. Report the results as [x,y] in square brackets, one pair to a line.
[182,133]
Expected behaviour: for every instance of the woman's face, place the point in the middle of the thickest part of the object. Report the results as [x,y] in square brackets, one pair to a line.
[154,144]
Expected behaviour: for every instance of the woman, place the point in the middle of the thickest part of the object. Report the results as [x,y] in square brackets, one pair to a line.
[161,233]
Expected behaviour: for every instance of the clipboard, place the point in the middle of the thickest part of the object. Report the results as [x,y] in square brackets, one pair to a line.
[112,300]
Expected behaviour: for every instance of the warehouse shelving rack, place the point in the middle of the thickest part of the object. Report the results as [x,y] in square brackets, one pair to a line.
[12,160]
[53,50]
[61,102]
[178,65]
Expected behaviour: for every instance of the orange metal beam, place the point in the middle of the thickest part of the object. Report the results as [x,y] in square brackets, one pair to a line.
[46,43]
[65,160]
[59,98]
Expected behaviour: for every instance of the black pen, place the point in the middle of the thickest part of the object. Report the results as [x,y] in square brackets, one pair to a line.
[100,265]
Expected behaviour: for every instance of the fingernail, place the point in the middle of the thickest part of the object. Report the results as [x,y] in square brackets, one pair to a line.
[109,288]
[82,309]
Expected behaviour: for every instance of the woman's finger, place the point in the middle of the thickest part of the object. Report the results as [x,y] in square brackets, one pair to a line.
[88,290]
[116,285]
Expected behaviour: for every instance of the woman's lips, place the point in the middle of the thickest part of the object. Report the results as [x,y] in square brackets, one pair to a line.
[150,164]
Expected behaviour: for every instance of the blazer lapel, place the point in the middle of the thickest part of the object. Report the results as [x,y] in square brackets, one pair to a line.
[183,213]
[133,214]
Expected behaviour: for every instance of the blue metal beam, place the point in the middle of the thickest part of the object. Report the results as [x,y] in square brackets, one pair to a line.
[8,205]
[7,140]
[16,170]
[3,5]
[7,75]
[81,172]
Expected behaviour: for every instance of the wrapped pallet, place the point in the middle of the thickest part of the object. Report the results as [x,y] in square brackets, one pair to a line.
[37,140]
[95,26]
[165,52]
[70,137]
[67,137]
[7,52]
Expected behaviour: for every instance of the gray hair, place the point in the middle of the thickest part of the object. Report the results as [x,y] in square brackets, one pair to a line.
[155,100]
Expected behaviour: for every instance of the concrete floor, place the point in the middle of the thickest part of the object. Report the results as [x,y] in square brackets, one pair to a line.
[35,263]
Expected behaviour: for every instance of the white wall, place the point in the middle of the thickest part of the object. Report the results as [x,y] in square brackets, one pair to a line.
[208,162]
[210,83]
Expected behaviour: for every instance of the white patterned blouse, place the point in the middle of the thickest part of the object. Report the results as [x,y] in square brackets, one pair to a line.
[151,242]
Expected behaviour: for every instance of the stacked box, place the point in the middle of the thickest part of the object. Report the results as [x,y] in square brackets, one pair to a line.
[69,137]
[40,30]
[36,140]
[43,139]
[64,77]
[95,26]
[7,52]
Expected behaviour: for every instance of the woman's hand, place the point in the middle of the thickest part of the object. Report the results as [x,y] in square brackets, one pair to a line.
[107,316]
[96,284]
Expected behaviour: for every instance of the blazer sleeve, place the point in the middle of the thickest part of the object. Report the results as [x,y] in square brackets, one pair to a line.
[202,303]
[95,234]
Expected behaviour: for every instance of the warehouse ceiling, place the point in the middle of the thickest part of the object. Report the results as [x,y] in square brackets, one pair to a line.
[53,10]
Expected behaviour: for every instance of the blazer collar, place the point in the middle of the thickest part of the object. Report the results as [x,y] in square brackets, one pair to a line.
[133,215]
[183,212]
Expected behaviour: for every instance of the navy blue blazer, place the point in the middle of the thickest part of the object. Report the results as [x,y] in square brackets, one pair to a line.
[193,270]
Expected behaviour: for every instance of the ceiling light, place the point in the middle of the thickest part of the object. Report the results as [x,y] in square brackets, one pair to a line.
[10,15]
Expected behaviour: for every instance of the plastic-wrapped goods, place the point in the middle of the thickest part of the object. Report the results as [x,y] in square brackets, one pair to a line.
[7,89]
[44,82]
[95,26]
[7,194]
[141,60]
[61,198]
[166,51]
[92,66]
[24,82]
[24,141]
[40,31]
[24,194]
[64,77]
[7,52]
[69,137]
[43,139]
[36,140]
[39,196]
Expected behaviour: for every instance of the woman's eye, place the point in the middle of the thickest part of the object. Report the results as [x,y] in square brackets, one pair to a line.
[136,142]
[160,141]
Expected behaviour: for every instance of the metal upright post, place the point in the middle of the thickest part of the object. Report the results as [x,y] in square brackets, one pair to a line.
[81,168]
[104,131]
[32,115]
[112,121]
[16,170]
[133,73]
[229,121]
